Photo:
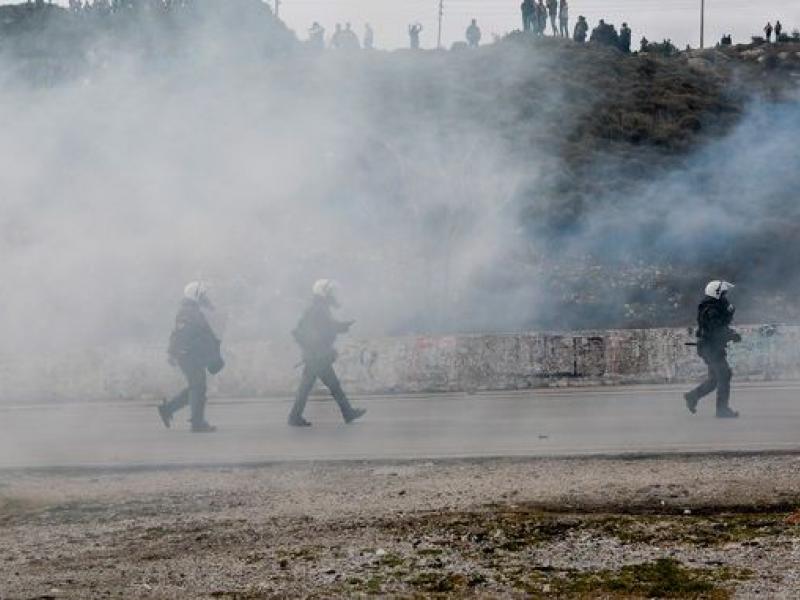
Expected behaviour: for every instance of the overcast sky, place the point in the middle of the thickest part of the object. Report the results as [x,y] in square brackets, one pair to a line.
[678,20]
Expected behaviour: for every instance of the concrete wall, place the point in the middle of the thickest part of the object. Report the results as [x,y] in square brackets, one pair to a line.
[411,364]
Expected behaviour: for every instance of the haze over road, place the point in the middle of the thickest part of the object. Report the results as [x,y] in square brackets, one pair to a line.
[534,423]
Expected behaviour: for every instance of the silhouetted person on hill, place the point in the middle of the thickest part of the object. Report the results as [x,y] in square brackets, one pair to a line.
[369,37]
[102,7]
[536,22]
[349,39]
[581,30]
[528,9]
[714,317]
[563,18]
[473,34]
[768,32]
[552,10]
[316,36]
[336,38]
[75,6]
[605,34]
[413,35]
[315,334]
[195,349]
[541,18]
[778,31]
[625,38]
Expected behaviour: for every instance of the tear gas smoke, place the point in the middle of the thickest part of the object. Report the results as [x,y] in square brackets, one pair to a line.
[160,157]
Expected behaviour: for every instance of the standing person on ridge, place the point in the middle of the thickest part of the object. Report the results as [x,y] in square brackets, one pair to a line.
[581,29]
[413,35]
[552,9]
[528,9]
[473,34]
[563,18]
[369,37]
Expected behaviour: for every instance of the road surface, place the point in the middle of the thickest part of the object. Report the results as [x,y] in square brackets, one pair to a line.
[620,420]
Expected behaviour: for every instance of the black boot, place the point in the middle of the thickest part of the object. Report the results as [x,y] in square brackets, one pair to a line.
[353,414]
[165,414]
[203,427]
[691,402]
[298,422]
[726,412]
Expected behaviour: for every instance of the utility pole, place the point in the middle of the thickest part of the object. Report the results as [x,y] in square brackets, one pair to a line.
[439,36]
[277,8]
[702,23]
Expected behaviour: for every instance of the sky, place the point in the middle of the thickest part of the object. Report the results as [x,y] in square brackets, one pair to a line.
[678,20]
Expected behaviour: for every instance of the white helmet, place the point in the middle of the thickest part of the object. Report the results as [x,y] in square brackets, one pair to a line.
[716,288]
[324,288]
[197,291]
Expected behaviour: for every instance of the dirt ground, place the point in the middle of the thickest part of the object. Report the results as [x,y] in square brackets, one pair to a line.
[684,527]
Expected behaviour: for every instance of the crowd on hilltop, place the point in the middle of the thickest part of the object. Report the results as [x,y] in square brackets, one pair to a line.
[344,38]
[537,17]
[780,35]
[110,6]
[537,14]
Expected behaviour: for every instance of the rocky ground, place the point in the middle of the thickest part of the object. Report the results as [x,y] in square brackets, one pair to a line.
[693,527]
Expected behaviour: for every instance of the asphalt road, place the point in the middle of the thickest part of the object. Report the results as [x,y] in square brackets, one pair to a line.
[622,420]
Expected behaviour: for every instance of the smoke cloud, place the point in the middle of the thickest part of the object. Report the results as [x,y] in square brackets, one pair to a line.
[169,154]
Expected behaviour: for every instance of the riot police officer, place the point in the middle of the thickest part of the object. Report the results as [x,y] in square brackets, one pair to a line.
[194,348]
[714,317]
[315,334]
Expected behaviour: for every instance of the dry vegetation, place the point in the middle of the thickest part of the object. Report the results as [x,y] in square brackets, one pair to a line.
[700,527]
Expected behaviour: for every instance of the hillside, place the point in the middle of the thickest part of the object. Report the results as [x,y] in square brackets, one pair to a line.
[532,183]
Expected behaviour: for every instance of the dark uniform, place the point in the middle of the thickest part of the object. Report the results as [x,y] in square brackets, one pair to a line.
[315,334]
[714,318]
[195,349]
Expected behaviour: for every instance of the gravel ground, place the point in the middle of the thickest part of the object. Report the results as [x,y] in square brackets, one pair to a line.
[700,526]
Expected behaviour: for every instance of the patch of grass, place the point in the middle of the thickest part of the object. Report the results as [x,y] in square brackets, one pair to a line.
[391,560]
[663,578]
[697,531]
[432,581]
[374,585]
